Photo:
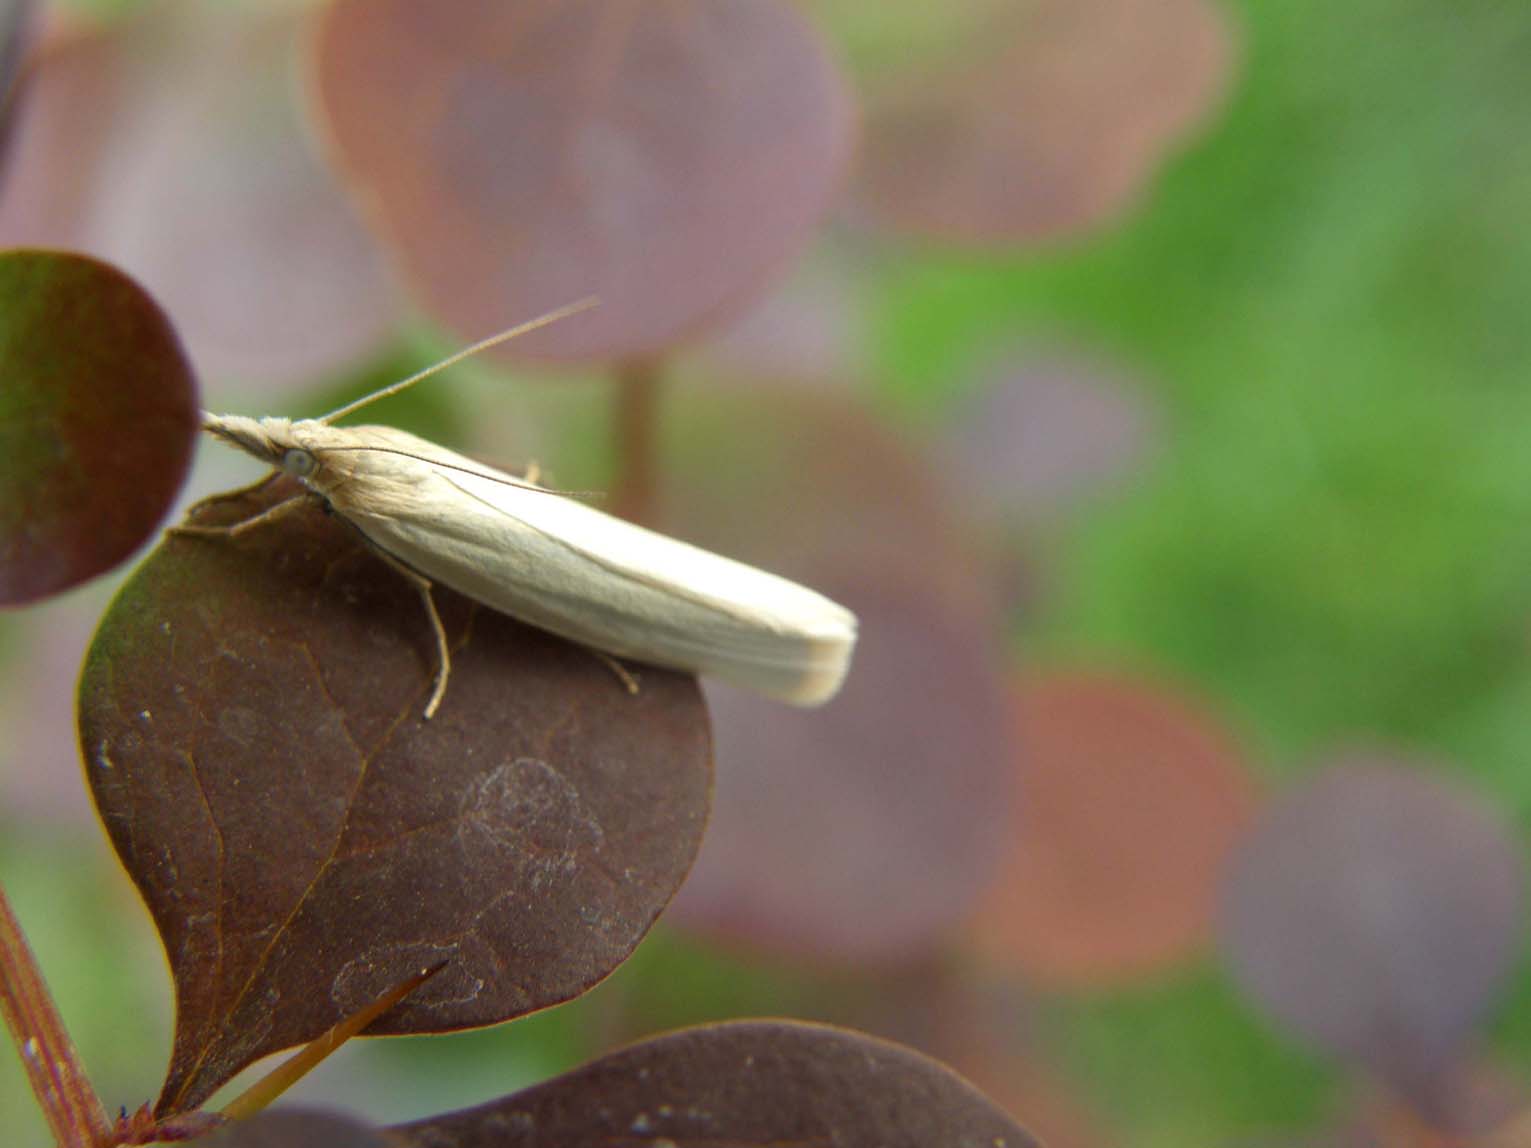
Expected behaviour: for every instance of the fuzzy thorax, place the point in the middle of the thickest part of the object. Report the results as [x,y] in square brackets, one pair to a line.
[267,439]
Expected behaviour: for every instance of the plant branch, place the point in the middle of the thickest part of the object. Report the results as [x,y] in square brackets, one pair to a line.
[53,1067]
[637,434]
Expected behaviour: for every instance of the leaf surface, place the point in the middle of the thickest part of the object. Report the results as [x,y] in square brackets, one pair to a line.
[251,719]
[748,1082]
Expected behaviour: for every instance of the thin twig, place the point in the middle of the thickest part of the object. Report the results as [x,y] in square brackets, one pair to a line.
[637,436]
[306,1059]
[53,1068]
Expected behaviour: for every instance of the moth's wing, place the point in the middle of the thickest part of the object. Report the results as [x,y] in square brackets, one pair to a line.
[589,576]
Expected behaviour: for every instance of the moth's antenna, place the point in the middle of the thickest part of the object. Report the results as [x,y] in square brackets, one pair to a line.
[482,345]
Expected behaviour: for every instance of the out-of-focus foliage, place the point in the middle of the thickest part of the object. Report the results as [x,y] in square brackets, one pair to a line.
[98,413]
[173,144]
[1161,402]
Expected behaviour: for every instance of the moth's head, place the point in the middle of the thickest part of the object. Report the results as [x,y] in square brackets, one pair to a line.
[271,440]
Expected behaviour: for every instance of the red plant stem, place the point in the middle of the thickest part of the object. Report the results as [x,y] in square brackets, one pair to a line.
[53,1067]
[637,434]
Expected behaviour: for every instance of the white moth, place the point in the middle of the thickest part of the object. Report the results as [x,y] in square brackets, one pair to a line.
[547,559]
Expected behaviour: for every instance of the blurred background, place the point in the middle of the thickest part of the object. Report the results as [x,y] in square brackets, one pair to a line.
[1152,376]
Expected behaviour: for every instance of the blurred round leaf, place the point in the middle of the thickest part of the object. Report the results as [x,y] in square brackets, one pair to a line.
[808,328]
[665,157]
[172,143]
[98,414]
[1133,798]
[1050,120]
[749,1082]
[868,828]
[1042,431]
[1376,911]
[1460,1107]
[251,719]
[15,33]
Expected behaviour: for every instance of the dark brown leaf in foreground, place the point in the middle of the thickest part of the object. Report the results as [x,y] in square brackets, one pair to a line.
[1376,911]
[1051,121]
[299,1129]
[98,413]
[665,157]
[746,1083]
[250,714]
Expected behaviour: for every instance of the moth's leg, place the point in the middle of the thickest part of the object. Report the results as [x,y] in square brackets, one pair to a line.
[443,653]
[533,472]
[238,492]
[624,675]
[270,514]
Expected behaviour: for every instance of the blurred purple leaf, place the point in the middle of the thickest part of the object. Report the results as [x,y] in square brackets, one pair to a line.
[1049,121]
[668,158]
[15,37]
[1376,911]
[806,330]
[172,142]
[1041,432]
[1134,797]
[98,413]
[865,829]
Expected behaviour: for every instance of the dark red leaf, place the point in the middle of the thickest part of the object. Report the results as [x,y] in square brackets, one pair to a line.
[750,1082]
[172,143]
[299,1129]
[1134,799]
[250,713]
[1376,912]
[1051,121]
[665,157]
[98,413]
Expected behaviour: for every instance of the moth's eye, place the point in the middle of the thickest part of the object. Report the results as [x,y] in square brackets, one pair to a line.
[297,461]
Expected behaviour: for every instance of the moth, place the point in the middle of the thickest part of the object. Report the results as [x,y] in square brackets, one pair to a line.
[544,558]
